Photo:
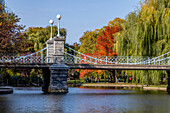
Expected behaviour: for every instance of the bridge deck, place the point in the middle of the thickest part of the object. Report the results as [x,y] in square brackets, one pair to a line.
[90,66]
[119,67]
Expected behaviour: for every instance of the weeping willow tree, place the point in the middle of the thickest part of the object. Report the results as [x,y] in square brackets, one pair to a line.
[146,33]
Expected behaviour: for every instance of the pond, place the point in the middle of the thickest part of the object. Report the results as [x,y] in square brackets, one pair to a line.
[85,100]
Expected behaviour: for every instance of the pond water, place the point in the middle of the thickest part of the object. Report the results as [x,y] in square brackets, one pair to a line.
[85,100]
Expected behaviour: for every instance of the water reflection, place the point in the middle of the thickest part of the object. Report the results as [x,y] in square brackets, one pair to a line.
[85,100]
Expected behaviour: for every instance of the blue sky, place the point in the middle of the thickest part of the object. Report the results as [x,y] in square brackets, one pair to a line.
[78,16]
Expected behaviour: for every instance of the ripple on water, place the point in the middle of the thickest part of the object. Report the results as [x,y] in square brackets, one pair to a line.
[84,100]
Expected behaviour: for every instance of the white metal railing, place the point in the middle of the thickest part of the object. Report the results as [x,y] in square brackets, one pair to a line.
[73,56]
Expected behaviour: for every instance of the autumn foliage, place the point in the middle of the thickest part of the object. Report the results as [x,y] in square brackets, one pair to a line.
[104,47]
[12,40]
[85,72]
[105,41]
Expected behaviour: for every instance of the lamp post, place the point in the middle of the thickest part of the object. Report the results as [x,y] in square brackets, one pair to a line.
[58,17]
[51,22]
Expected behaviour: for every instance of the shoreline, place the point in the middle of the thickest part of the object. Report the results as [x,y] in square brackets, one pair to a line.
[145,87]
[110,85]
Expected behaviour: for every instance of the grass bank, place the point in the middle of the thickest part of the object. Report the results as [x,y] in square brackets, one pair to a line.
[75,83]
[145,87]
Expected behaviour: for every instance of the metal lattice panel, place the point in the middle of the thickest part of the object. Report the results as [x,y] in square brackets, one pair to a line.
[76,57]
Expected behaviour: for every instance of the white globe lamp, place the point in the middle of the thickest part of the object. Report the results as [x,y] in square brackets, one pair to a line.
[51,22]
[58,17]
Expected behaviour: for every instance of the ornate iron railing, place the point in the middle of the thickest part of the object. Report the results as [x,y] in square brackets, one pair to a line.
[76,57]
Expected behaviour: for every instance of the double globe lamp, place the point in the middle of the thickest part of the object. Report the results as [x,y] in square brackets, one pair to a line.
[52,22]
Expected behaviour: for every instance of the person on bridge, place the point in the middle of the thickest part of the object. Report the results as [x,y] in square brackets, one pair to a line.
[95,79]
[125,77]
[98,80]
[130,79]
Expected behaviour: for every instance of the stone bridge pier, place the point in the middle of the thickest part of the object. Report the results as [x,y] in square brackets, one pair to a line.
[55,78]
[168,87]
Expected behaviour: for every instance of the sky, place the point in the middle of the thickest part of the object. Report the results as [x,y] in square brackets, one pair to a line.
[78,16]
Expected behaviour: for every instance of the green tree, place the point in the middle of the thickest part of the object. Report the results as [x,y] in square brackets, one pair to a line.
[146,33]
[88,41]
[39,35]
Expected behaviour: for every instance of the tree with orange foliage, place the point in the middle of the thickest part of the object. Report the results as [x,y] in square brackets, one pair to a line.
[99,43]
[85,72]
[105,41]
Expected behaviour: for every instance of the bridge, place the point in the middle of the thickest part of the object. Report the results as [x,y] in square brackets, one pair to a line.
[55,63]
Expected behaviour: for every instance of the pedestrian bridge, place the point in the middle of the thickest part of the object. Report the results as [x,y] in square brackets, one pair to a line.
[55,62]
[77,60]
[89,66]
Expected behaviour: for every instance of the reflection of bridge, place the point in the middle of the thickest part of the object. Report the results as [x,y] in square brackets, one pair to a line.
[59,62]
